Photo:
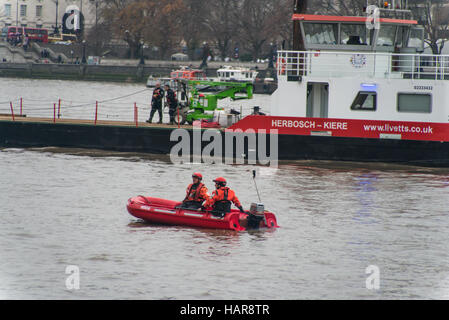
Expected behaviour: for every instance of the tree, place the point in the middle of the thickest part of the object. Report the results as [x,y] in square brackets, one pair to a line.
[145,21]
[434,16]
[341,7]
[164,24]
[257,25]
[131,25]
[116,16]
[221,24]
[299,6]
[283,14]
[193,18]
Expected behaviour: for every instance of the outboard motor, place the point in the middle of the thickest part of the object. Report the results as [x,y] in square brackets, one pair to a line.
[256,215]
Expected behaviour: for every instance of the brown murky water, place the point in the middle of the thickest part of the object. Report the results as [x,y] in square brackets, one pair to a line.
[67,207]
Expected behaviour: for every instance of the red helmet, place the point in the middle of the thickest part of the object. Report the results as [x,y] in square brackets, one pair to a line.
[220,181]
[197,175]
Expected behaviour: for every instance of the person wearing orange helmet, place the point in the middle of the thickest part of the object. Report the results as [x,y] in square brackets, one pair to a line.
[196,193]
[222,199]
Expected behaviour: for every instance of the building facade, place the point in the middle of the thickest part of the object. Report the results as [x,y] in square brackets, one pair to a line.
[44,13]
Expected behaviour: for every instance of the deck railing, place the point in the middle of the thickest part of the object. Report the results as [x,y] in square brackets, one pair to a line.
[295,64]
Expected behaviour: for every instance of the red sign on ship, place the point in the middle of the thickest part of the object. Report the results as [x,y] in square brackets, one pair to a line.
[346,128]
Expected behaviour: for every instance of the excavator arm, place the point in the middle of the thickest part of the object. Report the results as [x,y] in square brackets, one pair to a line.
[202,104]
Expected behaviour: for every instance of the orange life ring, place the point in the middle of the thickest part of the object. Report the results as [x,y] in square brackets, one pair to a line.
[281,65]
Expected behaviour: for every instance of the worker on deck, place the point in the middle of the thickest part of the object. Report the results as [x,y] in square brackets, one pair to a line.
[172,102]
[257,112]
[156,102]
[196,193]
[222,199]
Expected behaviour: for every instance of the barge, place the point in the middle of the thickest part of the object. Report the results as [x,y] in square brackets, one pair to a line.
[352,94]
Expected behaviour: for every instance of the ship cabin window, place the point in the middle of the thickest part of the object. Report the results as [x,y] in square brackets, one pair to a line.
[387,35]
[321,33]
[365,101]
[416,39]
[415,102]
[402,37]
[355,34]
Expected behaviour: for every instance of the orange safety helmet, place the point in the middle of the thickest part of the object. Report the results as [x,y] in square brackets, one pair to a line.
[197,175]
[220,181]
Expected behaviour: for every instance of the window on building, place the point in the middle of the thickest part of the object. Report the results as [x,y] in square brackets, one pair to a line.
[414,102]
[38,11]
[7,10]
[23,10]
[365,101]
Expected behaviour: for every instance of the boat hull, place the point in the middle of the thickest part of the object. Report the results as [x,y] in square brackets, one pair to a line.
[161,211]
[156,140]
[408,152]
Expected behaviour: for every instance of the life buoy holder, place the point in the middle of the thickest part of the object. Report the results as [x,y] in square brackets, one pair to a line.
[281,64]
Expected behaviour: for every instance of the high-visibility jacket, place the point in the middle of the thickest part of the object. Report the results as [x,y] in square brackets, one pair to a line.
[197,193]
[172,101]
[158,94]
[222,199]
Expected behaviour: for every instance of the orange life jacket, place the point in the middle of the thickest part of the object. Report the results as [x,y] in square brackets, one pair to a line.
[199,194]
[222,199]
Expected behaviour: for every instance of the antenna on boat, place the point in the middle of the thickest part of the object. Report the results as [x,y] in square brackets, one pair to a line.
[254,178]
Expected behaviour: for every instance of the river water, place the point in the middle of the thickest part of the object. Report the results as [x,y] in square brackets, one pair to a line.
[62,207]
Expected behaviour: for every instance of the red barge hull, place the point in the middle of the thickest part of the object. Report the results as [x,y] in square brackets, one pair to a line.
[298,138]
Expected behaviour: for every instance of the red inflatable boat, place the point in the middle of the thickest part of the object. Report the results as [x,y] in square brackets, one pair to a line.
[164,212]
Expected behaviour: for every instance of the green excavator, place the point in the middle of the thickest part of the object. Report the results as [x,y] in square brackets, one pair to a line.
[199,98]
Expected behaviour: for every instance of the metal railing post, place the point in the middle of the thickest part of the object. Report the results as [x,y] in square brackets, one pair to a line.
[12,111]
[96,112]
[412,65]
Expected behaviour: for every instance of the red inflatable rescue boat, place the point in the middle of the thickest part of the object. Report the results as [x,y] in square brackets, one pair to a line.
[165,212]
